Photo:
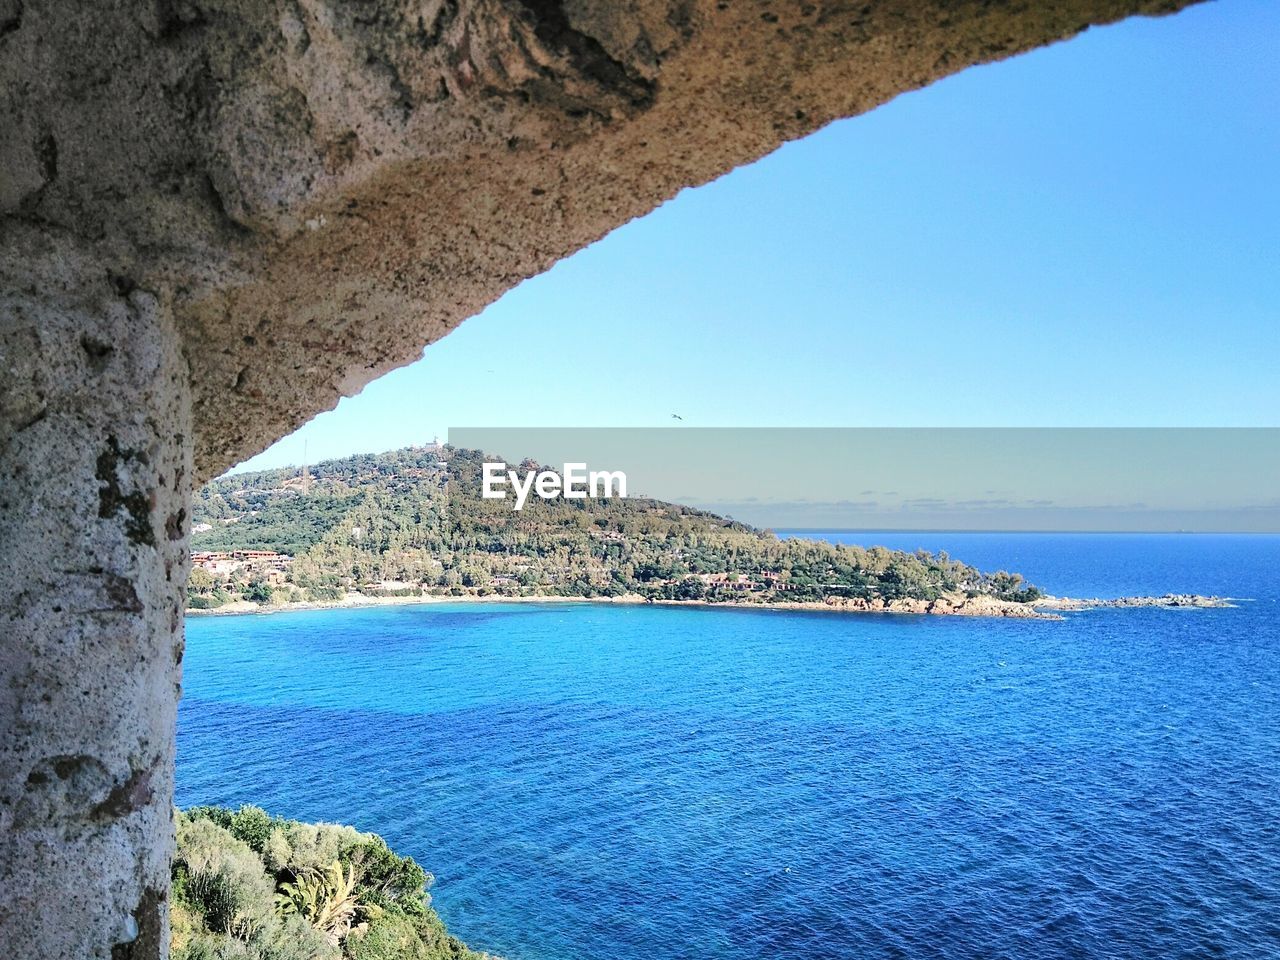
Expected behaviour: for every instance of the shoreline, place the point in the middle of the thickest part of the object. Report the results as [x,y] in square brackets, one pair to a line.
[1046,608]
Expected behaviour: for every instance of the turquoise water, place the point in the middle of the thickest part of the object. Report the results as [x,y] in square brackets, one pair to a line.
[592,781]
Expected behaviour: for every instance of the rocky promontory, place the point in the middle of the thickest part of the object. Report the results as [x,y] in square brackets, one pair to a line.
[1168,601]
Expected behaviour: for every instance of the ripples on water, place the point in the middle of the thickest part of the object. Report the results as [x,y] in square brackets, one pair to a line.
[620,782]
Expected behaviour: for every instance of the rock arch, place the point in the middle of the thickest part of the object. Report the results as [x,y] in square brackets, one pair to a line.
[217,217]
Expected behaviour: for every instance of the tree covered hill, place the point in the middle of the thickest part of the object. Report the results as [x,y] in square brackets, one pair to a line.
[411,521]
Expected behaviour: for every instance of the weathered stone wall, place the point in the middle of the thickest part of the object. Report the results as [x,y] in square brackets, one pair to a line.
[95,480]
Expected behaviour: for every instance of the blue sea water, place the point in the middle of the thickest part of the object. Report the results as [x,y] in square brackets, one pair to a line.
[618,783]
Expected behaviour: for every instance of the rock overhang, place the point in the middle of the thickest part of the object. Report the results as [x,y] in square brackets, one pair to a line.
[317,189]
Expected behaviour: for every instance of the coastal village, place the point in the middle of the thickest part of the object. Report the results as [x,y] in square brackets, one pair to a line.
[248,564]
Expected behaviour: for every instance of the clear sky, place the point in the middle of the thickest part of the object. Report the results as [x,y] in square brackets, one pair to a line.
[1087,235]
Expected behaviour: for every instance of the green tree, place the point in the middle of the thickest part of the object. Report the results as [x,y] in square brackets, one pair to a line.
[258,591]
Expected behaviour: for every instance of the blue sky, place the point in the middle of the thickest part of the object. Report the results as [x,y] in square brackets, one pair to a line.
[1087,235]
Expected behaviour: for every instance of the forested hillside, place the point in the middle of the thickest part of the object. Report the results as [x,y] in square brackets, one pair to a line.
[410,521]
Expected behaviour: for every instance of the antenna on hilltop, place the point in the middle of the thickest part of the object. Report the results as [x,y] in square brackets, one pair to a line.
[306,474]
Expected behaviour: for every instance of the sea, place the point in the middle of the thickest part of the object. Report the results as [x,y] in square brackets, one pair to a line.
[609,782]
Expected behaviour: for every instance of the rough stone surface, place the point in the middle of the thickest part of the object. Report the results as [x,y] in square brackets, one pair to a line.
[324,187]
[95,480]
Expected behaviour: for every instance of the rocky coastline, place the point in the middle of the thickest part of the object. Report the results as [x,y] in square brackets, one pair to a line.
[1167,601]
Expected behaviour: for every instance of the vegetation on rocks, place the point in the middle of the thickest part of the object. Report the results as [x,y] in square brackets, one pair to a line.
[250,886]
[411,521]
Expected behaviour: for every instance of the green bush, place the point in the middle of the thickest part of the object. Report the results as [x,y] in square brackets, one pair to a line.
[325,593]
[292,938]
[297,846]
[209,946]
[389,938]
[388,877]
[222,880]
[252,825]
[259,591]
[219,815]
[231,865]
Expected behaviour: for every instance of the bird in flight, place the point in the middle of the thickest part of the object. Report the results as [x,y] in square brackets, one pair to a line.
[676,416]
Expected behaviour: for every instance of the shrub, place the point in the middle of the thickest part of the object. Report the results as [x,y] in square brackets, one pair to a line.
[325,593]
[313,846]
[292,938]
[221,878]
[211,946]
[389,938]
[219,815]
[277,853]
[252,825]
[249,886]
[387,877]
[259,592]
